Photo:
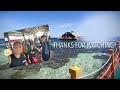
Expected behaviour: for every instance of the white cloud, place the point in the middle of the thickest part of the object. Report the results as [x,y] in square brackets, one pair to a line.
[100,27]
[96,27]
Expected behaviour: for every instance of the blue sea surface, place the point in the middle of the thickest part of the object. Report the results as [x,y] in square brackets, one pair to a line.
[117,75]
[3,58]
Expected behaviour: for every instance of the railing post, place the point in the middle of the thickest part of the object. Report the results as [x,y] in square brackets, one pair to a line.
[118,49]
[75,72]
[112,61]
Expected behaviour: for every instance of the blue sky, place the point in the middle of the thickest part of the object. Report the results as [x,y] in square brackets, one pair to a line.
[93,25]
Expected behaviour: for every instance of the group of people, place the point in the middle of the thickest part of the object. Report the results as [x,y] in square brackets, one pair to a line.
[30,52]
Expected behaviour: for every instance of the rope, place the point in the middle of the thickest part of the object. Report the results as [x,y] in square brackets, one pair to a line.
[101,68]
[117,64]
[106,71]
[97,69]
[110,74]
[115,51]
[110,65]
[117,57]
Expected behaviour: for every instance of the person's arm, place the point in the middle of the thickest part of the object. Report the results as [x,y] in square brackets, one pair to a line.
[29,59]
[26,63]
[7,46]
[9,60]
[37,48]
[26,60]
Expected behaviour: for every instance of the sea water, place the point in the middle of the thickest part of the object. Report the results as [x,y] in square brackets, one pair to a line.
[117,75]
[3,58]
[85,61]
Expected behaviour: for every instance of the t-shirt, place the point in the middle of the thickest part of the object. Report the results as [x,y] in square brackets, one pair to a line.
[45,51]
[46,48]
[15,62]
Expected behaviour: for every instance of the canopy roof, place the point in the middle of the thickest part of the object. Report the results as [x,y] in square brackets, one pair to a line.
[68,34]
[32,30]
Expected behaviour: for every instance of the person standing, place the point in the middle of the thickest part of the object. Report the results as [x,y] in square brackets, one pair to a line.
[45,48]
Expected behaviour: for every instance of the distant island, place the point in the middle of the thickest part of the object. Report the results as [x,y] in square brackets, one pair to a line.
[70,36]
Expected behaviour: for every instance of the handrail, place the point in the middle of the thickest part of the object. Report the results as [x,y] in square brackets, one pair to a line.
[111,63]
[117,57]
[110,66]
[106,71]
[97,69]
[117,63]
[110,74]
[115,51]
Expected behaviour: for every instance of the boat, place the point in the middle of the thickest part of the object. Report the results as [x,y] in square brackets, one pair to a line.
[70,36]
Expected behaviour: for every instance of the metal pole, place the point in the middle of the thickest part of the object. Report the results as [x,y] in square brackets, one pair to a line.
[9,40]
[118,49]
[112,61]
[24,38]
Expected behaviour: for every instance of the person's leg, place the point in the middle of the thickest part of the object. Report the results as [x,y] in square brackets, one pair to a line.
[46,57]
[25,55]
[31,60]
[37,56]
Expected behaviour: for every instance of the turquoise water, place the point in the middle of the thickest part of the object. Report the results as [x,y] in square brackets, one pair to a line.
[87,65]
[117,76]
[3,58]
[85,61]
